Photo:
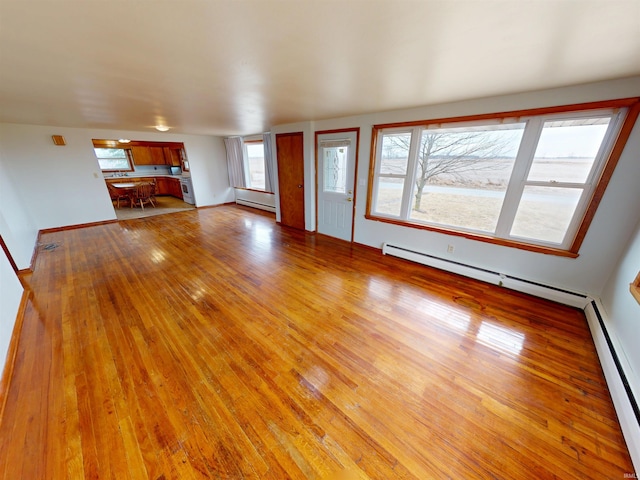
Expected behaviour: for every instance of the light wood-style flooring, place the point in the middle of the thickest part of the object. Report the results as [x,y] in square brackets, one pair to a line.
[216,344]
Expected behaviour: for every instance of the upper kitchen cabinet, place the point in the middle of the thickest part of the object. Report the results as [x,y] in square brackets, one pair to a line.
[141,155]
[173,156]
[147,153]
[158,153]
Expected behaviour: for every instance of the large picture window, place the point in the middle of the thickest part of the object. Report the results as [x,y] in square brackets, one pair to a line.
[527,179]
[254,165]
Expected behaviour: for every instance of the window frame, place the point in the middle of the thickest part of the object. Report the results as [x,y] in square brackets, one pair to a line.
[247,171]
[589,203]
[127,152]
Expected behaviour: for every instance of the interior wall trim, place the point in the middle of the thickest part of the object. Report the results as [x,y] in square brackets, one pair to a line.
[12,352]
[73,227]
[8,255]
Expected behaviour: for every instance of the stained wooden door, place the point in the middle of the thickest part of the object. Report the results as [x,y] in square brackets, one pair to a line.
[290,155]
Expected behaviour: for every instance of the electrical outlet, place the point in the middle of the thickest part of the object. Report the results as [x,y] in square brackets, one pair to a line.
[450,248]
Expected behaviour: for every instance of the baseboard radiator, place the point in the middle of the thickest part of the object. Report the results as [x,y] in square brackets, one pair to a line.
[261,206]
[615,368]
[255,199]
[526,286]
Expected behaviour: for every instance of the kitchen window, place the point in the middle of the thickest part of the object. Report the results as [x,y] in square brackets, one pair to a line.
[529,179]
[114,159]
[254,165]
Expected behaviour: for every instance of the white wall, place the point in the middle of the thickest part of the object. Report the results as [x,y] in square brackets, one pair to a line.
[610,230]
[208,164]
[10,295]
[622,317]
[58,185]
[19,234]
[16,225]
[63,185]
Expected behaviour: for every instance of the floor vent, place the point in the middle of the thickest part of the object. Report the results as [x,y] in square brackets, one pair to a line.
[526,286]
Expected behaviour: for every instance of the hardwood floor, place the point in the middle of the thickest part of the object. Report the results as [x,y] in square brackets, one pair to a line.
[215,344]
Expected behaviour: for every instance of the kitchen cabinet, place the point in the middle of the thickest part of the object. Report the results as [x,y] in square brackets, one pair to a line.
[157,155]
[175,188]
[173,156]
[145,155]
[141,155]
[164,185]
[168,186]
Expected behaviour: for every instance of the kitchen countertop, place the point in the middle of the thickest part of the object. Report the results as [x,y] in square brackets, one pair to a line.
[124,177]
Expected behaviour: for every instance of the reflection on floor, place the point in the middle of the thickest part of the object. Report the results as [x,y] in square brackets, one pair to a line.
[164,204]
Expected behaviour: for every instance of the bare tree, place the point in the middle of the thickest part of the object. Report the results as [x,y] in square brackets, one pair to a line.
[450,153]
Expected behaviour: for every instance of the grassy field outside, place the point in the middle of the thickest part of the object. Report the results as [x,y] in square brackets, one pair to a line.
[473,201]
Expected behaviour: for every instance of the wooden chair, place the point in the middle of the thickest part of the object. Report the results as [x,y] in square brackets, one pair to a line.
[154,190]
[117,195]
[142,194]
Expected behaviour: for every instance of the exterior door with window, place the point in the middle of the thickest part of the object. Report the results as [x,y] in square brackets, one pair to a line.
[336,183]
[290,155]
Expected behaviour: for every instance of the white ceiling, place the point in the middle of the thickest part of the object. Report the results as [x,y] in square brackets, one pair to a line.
[238,67]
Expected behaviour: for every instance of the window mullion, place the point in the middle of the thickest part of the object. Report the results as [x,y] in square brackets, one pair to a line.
[377,167]
[518,178]
[412,165]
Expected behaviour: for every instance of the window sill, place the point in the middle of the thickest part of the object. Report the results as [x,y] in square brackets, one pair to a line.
[481,238]
[254,190]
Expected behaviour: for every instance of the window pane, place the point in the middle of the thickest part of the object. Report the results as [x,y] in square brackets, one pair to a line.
[110,153]
[463,173]
[389,199]
[470,208]
[395,153]
[335,169]
[255,163]
[545,213]
[112,158]
[567,149]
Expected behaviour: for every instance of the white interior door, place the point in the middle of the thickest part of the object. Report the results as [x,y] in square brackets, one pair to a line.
[336,183]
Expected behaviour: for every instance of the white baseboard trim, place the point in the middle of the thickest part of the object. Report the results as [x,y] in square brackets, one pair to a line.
[614,367]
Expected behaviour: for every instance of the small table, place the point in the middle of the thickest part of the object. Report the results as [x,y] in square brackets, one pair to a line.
[123,190]
[124,185]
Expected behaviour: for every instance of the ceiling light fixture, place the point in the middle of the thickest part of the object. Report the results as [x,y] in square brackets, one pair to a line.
[123,140]
[162,128]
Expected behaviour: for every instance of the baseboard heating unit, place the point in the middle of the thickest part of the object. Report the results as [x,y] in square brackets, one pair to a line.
[255,199]
[261,206]
[614,367]
[526,286]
